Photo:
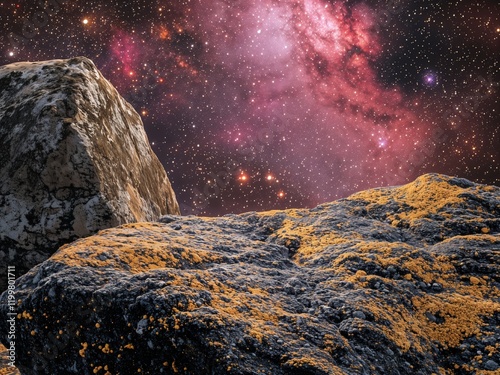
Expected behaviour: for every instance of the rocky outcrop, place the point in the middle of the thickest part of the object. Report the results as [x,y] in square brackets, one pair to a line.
[74,159]
[400,280]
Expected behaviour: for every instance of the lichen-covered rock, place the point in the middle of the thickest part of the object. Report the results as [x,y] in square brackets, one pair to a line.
[74,159]
[400,280]
[6,365]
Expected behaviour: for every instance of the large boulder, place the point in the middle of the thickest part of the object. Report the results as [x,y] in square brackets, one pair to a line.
[400,280]
[74,159]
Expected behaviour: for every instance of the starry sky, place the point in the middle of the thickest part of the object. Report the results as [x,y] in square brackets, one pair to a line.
[272,104]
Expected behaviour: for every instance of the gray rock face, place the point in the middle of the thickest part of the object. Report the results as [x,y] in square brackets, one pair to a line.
[74,159]
[389,281]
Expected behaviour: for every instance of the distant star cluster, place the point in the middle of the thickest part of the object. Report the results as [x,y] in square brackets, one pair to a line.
[273,104]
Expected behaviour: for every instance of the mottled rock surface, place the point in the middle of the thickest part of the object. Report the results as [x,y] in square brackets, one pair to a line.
[400,280]
[74,159]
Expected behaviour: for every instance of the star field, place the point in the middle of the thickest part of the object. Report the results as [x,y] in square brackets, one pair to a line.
[270,104]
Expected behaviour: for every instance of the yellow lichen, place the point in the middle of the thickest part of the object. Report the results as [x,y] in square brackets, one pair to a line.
[426,195]
[133,253]
[84,348]
[462,316]
[106,349]
[299,360]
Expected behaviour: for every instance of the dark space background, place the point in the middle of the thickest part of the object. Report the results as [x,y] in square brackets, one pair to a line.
[268,104]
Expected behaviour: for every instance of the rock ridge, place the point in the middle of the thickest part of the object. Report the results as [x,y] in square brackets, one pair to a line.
[399,280]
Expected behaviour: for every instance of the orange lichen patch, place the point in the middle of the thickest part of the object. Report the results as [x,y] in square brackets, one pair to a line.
[126,249]
[475,280]
[263,317]
[331,344]
[313,243]
[338,264]
[241,306]
[258,332]
[492,349]
[290,226]
[230,303]
[427,271]
[426,195]
[462,316]
[191,256]
[174,367]
[412,329]
[83,349]
[360,273]
[359,277]
[383,253]
[302,360]
[258,292]
[331,238]
[386,249]
[25,315]
[378,196]
[271,213]
[489,188]
[404,327]
[475,371]
[296,213]
[443,371]
[106,349]
[486,238]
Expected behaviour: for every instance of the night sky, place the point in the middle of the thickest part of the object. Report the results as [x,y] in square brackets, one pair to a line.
[272,104]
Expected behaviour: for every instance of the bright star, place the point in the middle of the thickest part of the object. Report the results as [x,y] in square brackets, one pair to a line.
[243,177]
[430,79]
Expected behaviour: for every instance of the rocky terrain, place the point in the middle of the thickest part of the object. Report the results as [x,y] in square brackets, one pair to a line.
[401,280]
[74,159]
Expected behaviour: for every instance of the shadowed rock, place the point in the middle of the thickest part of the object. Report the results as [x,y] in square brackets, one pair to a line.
[74,159]
[400,280]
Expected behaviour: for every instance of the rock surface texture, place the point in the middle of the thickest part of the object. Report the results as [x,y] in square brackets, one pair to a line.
[74,159]
[401,280]
[5,367]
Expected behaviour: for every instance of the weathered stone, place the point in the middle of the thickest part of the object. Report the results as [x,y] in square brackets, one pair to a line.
[74,159]
[491,365]
[192,295]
